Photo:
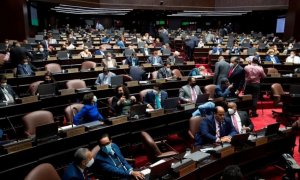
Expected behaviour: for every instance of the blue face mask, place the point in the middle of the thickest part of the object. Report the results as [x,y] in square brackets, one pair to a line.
[107,149]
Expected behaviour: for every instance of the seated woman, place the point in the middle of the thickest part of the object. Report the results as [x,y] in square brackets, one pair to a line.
[89,111]
[201,70]
[49,79]
[122,102]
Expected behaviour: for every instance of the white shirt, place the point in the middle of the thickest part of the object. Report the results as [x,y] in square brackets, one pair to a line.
[239,122]
[110,64]
[295,60]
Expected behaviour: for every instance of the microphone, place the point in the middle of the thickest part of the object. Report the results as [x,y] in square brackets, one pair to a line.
[15,132]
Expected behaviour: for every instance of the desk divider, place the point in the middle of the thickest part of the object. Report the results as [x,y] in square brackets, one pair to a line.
[102,87]
[40,73]
[18,146]
[29,99]
[132,83]
[156,112]
[64,92]
[118,119]
[98,68]
[73,70]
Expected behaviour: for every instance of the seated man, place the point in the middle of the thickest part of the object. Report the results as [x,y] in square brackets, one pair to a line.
[138,73]
[83,159]
[217,50]
[109,62]
[145,50]
[24,68]
[223,89]
[86,53]
[190,92]
[240,119]
[271,57]
[7,94]
[111,163]
[132,60]
[101,50]
[154,99]
[165,72]
[292,58]
[173,57]
[215,129]
[155,59]
[104,77]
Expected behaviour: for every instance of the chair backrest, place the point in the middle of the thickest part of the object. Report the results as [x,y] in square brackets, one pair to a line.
[194,126]
[53,68]
[210,89]
[43,171]
[126,78]
[143,93]
[277,89]
[71,110]
[76,84]
[36,118]
[272,71]
[151,148]
[154,74]
[88,65]
[177,72]
[34,86]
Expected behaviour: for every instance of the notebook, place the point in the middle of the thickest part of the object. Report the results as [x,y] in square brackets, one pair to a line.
[202,98]
[46,132]
[116,81]
[171,103]
[46,90]
[239,139]
[271,129]
[139,110]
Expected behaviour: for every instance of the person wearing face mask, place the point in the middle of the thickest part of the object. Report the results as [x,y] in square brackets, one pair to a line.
[292,58]
[86,53]
[190,92]
[165,72]
[105,77]
[83,159]
[236,76]
[108,61]
[215,129]
[24,68]
[89,112]
[122,102]
[40,54]
[155,99]
[7,94]
[217,50]
[110,162]
[271,57]
[240,119]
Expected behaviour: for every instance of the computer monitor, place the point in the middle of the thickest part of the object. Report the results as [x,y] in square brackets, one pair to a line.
[46,132]
[272,129]
[202,98]
[139,110]
[239,139]
[116,81]
[46,90]
[171,103]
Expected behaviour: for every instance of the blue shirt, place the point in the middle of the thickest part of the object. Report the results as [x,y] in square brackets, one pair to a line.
[87,114]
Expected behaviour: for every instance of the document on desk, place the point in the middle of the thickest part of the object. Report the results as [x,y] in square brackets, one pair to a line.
[146,173]
[157,163]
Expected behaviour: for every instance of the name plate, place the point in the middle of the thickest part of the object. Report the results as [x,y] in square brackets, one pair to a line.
[98,68]
[73,70]
[9,75]
[139,54]
[145,65]
[75,131]
[184,78]
[268,62]
[40,73]
[118,120]
[124,66]
[76,57]
[190,63]
[132,83]
[245,62]
[102,87]
[188,106]
[156,112]
[17,146]
[275,75]
[58,48]
[29,99]
[99,56]
[160,80]
[96,42]
[64,92]
[288,63]
[52,58]
[119,54]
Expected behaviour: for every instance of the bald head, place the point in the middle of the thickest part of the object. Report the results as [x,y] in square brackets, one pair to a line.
[219,113]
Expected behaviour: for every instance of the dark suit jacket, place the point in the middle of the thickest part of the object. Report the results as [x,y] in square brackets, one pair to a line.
[73,173]
[164,73]
[245,120]
[150,98]
[151,60]
[10,91]
[237,78]
[207,130]
[21,70]
[17,54]
[103,163]
[143,50]
[268,58]
[221,70]
[130,59]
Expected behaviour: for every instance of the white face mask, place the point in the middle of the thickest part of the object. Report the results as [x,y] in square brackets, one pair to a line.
[90,163]
[108,58]
[3,84]
[231,111]
[231,64]
[271,55]
[41,49]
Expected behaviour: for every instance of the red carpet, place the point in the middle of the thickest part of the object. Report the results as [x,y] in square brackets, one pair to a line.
[265,118]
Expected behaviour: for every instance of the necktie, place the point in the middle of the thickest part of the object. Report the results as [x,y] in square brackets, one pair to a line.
[218,133]
[157,101]
[230,72]
[235,124]
[194,95]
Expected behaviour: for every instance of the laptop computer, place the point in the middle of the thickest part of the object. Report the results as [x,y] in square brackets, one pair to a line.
[46,90]
[46,132]
[62,55]
[116,81]
[202,98]
[239,140]
[137,110]
[179,61]
[171,103]
[271,130]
